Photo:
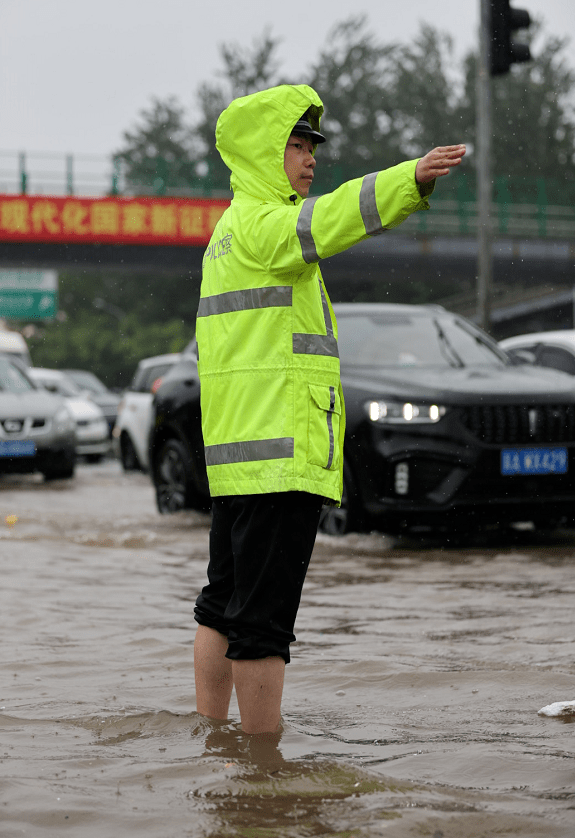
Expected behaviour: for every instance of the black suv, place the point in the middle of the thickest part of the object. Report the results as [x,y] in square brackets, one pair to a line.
[443,431]
[176,446]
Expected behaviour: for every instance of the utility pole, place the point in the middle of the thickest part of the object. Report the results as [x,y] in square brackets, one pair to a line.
[497,52]
[484,177]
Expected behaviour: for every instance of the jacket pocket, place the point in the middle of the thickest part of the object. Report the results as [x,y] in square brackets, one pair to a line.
[323,428]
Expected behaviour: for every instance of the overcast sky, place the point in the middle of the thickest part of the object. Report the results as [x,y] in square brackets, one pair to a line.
[75,74]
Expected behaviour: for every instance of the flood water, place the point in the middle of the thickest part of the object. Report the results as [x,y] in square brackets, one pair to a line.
[410,706]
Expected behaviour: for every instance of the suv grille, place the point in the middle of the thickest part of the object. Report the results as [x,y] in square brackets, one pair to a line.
[504,424]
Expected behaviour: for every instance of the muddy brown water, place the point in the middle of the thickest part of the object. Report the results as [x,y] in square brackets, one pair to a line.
[410,707]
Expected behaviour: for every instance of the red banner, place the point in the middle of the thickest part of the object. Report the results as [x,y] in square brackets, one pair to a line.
[109,220]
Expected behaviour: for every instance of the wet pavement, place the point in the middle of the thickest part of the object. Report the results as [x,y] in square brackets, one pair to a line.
[411,706]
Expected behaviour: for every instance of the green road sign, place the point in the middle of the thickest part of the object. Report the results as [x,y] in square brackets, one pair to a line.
[28,295]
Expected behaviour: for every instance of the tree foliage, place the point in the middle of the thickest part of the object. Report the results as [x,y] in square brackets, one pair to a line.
[110,320]
[533,119]
[164,154]
[158,152]
[355,75]
[384,103]
[245,70]
[535,132]
[426,96]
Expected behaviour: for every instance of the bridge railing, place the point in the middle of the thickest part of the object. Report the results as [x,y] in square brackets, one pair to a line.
[45,173]
[451,217]
[529,207]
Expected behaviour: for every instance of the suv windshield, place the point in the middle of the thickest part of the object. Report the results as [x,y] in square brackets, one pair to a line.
[12,380]
[62,385]
[395,339]
[87,381]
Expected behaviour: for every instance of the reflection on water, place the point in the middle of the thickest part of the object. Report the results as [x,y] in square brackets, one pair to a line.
[411,705]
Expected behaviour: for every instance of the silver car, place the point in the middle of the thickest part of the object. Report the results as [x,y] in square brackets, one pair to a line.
[37,431]
[92,435]
[98,392]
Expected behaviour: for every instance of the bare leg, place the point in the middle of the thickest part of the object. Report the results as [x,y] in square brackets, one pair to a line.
[259,687]
[213,673]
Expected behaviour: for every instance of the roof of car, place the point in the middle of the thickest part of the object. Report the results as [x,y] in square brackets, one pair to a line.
[159,359]
[558,336]
[47,373]
[386,308]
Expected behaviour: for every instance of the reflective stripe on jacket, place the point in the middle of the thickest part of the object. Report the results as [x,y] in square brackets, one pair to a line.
[272,406]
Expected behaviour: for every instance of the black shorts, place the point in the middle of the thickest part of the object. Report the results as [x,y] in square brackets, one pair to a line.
[260,548]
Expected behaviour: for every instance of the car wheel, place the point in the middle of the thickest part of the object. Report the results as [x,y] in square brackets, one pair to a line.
[128,455]
[348,517]
[173,478]
[546,525]
[61,472]
[94,458]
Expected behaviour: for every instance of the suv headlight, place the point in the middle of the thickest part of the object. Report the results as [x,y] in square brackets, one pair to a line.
[64,421]
[404,412]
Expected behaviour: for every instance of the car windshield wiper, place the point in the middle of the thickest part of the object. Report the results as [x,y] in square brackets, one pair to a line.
[447,349]
[484,341]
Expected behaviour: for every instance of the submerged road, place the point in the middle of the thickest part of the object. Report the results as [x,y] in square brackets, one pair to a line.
[411,704]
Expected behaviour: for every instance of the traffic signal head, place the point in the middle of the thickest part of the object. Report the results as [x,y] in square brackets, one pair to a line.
[502,24]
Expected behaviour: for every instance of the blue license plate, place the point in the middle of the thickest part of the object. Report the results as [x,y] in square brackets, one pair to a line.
[534,461]
[17,448]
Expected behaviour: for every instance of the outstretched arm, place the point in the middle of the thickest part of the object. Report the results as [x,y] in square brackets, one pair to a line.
[438,162]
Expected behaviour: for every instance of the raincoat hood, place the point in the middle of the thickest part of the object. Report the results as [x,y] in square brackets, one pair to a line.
[252,133]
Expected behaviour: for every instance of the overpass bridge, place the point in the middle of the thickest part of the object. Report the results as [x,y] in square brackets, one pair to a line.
[62,219]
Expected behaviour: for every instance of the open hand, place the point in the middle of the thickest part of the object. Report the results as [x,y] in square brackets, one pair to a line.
[438,162]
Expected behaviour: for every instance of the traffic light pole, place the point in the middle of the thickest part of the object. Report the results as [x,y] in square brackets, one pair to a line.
[484,177]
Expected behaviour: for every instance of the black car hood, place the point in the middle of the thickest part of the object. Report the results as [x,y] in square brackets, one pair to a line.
[456,385]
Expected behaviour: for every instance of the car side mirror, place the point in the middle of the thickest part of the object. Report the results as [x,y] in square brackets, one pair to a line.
[522,356]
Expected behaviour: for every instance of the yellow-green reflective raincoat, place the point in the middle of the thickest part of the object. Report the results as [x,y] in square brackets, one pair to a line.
[272,406]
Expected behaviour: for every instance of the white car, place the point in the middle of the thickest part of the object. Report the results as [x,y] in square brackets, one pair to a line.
[98,393]
[555,349]
[13,345]
[92,434]
[132,429]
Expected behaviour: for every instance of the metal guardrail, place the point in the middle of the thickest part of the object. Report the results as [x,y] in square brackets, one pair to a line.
[39,173]
[44,173]
[524,220]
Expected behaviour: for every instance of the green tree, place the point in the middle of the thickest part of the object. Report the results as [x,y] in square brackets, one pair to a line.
[533,121]
[534,131]
[245,70]
[164,154]
[426,95]
[354,76]
[383,103]
[112,319]
[158,153]
[109,320]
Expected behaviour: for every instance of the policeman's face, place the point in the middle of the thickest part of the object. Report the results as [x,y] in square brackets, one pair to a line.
[299,163]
